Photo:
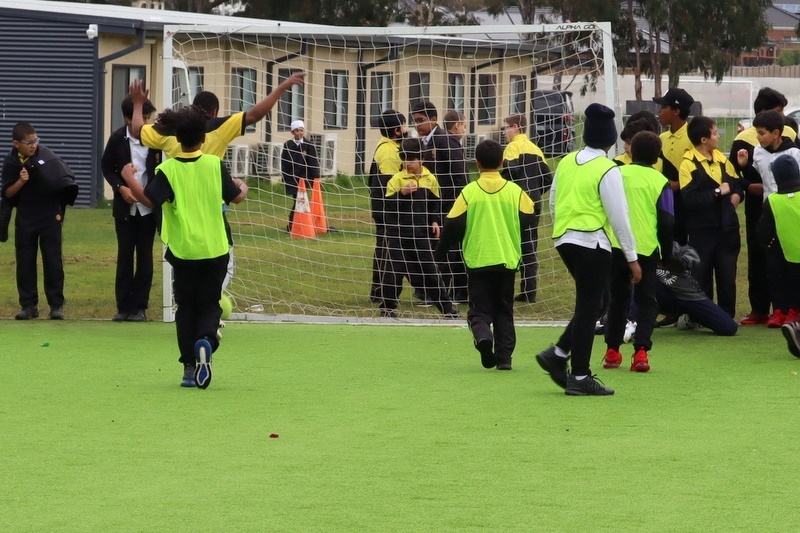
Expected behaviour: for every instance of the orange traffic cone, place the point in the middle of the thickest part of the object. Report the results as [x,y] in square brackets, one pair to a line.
[303,221]
[318,209]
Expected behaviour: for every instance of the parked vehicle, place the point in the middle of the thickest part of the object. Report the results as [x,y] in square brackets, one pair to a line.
[554,122]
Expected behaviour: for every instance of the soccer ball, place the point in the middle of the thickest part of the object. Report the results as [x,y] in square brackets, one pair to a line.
[227,306]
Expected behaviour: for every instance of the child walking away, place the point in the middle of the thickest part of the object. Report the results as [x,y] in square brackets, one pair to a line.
[412,214]
[586,198]
[488,218]
[190,188]
[650,202]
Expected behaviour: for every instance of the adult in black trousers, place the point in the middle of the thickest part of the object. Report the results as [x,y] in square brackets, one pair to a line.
[134,223]
[298,161]
[40,185]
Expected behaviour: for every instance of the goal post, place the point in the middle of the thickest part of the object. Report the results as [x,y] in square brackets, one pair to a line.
[547,73]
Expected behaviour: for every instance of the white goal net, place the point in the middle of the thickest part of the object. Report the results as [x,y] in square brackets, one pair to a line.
[352,76]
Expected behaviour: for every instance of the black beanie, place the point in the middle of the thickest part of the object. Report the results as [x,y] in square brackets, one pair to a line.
[599,130]
[786,173]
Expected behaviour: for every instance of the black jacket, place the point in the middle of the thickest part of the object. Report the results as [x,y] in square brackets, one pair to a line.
[444,157]
[116,155]
[298,162]
[703,208]
[51,180]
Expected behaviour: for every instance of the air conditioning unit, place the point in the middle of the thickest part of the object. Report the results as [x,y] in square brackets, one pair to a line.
[499,137]
[470,142]
[267,159]
[326,152]
[237,158]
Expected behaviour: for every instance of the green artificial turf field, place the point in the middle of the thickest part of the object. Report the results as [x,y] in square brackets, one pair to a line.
[386,428]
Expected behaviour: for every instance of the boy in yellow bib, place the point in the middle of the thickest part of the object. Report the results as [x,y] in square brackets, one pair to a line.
[190,188]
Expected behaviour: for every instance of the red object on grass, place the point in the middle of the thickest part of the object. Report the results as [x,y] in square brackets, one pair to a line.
[273,435]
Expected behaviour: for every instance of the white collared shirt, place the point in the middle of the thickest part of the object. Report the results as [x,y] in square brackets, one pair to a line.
[139,160]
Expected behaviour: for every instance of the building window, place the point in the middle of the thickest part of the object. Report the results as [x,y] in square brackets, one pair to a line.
[517,96]
[291,105]
[487,99]
[336,99]
[196,80]
[419,88]
[121,78]
[455,92]
[243,92]
[381,96]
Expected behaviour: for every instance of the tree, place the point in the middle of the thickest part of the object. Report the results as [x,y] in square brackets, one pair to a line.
[330,12]
[703,36]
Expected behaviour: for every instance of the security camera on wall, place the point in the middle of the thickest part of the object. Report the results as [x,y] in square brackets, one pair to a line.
[91,32]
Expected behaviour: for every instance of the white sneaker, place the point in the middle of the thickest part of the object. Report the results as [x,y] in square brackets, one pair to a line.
[630,329]
[684,323]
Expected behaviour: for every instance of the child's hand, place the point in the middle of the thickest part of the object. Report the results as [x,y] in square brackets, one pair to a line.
[137,91]
[724,188]
[23,175]
[435,230]
[742,157]
[636,272]
[408,188]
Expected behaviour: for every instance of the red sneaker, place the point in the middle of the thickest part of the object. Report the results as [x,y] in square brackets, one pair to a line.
[777,319]
[639,363]
[612,359]
[754,319]
[792,316]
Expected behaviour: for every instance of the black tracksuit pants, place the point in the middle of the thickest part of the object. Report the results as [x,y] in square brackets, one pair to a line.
[718,251]
[644,295]
[197,287]
[590,268]
[491,310]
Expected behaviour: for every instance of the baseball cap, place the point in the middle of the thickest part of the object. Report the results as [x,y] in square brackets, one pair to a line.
[675,97]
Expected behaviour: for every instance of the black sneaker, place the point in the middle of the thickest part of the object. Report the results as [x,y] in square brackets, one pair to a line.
[137,316]
[554,365]
[486,350]
[792,336]
[120,317]
[188,376]
[668,321]
[56,314]
[527,298]
[504,366]
[27,313]
[588,386]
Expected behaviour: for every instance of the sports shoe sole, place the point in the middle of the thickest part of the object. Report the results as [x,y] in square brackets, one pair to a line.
[202,357]
[641,366]
[608,365]
[790,334]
